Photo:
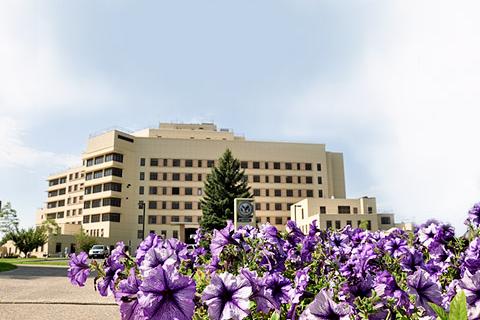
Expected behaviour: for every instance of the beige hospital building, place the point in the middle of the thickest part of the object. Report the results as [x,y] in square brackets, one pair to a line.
[166,168]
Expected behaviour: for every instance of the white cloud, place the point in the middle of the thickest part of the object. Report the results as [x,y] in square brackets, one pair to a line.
[35,76]
[14,152]
[417,81]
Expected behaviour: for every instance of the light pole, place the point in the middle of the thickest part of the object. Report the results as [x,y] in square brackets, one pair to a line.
[141,205]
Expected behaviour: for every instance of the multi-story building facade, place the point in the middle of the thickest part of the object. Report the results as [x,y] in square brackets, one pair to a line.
[166,167]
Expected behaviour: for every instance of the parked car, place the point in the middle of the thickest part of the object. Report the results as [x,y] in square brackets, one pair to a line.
[98,251]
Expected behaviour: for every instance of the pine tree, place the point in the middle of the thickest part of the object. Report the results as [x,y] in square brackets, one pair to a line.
[225,183]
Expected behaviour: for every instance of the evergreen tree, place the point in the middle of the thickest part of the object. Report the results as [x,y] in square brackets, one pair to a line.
[225,183]
[8,219]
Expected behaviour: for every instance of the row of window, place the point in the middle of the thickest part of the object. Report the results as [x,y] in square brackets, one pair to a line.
[286,193]
[189,163]
[117,157]
[92,218]
[114,202]
[189,205]
[153,190]
[345,210]
[110,186]
[75,176]
[338,224]
[159,219]
[103,173]
[57,192]
[54,182]
[60,215]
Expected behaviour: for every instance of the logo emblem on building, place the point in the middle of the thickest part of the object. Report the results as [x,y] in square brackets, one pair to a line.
[244,212]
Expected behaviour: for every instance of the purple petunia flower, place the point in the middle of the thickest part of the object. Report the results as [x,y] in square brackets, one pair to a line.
[474,216]
[127,299]
[387,287]
[280,288]
[471,286]
[425,290]
[260,294]
[301,282]
[112,268]
[227,297]
[150,241]
[157,257]
[324,308]
[166,294]
[221,238]
[79,269]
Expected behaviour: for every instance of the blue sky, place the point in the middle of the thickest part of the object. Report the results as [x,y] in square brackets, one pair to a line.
[393,85]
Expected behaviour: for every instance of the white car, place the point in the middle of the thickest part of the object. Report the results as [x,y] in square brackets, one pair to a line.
[98,251]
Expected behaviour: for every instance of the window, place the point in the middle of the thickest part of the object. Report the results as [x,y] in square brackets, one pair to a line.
[369,225]
[176,176]
[140,219]
[210,163]
[187,219]
[164,176]
[188,191]
[355,210]
[329,224]
[88,190]
[175,205]
[277,179]
[288,179]
[308,166]
[58,247]
[176,162]
[199,177]
[175,190]
[139,234]
[266,179]
[289,193]
[152,190]
[89,162]
[276,165]
[164,205]
[97,188]
[323,210]
[385,220]
[125,138]
[98,174]
[89,176]
[319,167]
[175,219]
[188,206]
[188,177]
[154,162]
[256,192]
[141,190]
[258,206]
[164,191]
[278,206]
[299,166]
[152,204]
[266,165]
[113,217]
[86,219]
[299,192]
[256,178]
[267,192]
[278,220]
[114,156]
[320,193]
[278,192]
[175,234]
[199,163]
[164,220]
[189,163]
[86,205]
[142,162]
[59,215]
[95,218]
[99,160]
[114,202]
[142,175]
[152,219]
[344,209]
[199,207]
[113,186]
[96,203]
[370,210]
[256,165]
[267,206]
[244,164]
[319,180]
[349,223]
[308,180]
[337,224]
[153,176]
[267,219]
[309,193]
[288,166]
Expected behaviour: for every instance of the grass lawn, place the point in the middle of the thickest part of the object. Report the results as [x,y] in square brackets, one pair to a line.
[37,261]
[4,266]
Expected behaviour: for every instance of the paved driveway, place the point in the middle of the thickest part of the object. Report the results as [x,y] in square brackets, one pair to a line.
[45,293]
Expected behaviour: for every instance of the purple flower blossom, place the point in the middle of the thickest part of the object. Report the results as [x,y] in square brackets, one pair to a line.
[79,270]
[301,282]
[471,285]
[324,308]
[425,290]
[112,268]
[166,294]
[260,294]
[127,299]
[150,241]
[157,257]
[221,238]
[280,288]
[227,297]
[474,216]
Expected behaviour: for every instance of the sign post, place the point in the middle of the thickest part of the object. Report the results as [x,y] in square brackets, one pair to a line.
[244,212]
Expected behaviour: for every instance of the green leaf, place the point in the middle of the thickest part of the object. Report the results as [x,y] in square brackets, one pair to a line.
[275,316]
[442,314]
[458,307]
